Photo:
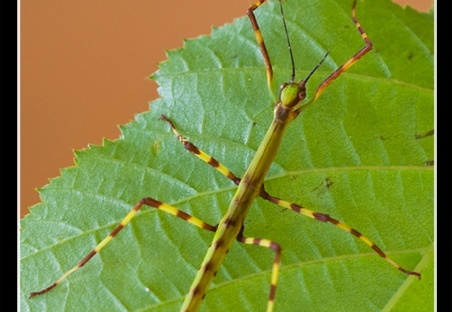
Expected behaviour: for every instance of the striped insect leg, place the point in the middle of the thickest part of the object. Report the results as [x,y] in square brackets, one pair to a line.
[326,218]
[202,155]
[276,263]
[323,85]
[145,201]
[260,40]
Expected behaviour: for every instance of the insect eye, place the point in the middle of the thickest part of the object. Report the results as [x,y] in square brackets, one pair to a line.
[302,93]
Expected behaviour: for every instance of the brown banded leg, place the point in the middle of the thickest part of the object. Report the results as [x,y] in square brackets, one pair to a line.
[202,155]
[326,218]
[368,46]
[260,40]
[276,263]
[145,201]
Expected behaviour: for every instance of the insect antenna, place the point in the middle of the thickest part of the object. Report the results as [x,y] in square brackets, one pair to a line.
[316,67]
[292,78]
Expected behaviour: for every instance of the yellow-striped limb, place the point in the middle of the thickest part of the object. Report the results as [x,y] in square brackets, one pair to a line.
[260,40]
[333,76]
[145,201]
[326,218]
[276,263]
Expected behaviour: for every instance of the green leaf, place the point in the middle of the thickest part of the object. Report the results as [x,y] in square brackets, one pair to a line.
[363,153]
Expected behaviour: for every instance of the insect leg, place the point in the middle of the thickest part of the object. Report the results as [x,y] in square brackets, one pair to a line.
[260,40]
[276,263]
[145,201]
[326,218]
[325,83]
[202,155]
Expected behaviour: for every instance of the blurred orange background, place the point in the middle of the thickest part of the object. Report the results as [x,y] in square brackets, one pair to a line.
[84,66]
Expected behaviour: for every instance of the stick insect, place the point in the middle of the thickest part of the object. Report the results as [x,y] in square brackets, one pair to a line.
[251,185]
